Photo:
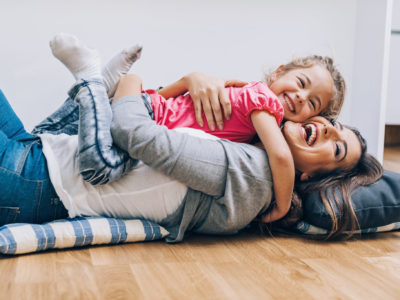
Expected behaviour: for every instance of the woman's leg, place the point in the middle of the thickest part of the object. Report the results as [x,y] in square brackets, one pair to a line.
[65,119]
[26,192]
[99,160]
[10,124]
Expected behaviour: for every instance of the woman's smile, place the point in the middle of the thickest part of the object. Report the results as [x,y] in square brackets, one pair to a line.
[310,133]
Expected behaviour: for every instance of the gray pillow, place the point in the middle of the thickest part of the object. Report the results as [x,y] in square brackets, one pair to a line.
[375,205]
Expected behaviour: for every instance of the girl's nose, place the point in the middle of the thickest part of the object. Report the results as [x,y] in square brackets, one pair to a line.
[300,98]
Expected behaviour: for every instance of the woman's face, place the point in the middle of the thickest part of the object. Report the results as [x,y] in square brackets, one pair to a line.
[318,146]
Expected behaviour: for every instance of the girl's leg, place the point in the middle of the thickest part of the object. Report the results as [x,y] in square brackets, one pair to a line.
[99,160]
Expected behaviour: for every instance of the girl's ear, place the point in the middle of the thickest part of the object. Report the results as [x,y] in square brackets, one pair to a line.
[304,177]
[275,74]
[280,68]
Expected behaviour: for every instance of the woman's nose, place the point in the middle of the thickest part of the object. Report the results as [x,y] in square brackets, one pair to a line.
[330,130]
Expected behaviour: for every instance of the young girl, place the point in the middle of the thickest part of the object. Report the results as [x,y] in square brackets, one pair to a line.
[297,91]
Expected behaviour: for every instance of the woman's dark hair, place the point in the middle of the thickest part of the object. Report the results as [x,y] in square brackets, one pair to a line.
[339,182]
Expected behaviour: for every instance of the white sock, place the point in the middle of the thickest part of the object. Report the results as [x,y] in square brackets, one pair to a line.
[119,66]
[82,61]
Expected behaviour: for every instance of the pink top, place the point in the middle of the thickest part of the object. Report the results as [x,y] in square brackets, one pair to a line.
[179,111]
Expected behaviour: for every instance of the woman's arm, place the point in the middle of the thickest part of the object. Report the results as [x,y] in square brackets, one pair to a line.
[177,155]
[208,94]
[281,161]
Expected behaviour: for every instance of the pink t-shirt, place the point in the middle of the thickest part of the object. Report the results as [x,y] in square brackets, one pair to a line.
[179,111]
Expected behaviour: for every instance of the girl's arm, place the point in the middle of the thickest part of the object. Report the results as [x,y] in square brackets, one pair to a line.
[281,162]
[208,94]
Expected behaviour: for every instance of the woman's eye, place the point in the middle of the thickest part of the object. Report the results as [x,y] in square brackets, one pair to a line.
[333,122]
[337,152]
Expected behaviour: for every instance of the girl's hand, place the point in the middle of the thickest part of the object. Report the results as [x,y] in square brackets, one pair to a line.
[208,94]
[275,214]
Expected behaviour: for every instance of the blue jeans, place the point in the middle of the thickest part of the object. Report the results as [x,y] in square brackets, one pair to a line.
[99,160]
[26,192]
[87,112]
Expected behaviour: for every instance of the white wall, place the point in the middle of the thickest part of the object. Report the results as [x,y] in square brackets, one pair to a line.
[371,68]
[393,99]
[228,38]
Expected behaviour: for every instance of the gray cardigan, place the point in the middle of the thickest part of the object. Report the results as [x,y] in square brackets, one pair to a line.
[229,184]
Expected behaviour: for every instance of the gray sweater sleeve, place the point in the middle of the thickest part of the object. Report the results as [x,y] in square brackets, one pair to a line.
[230,183]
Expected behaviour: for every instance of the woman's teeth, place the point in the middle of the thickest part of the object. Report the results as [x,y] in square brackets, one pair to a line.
[310,133]
[289,103]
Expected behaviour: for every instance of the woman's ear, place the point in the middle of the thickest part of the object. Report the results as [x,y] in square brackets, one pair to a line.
[305,177]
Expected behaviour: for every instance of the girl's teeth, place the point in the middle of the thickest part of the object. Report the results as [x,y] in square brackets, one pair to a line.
[289,104]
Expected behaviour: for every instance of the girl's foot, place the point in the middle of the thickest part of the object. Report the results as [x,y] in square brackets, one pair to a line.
[82,61]
[119,66]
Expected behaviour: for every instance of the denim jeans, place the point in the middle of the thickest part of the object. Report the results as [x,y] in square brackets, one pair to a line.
[26,192]
[99,160]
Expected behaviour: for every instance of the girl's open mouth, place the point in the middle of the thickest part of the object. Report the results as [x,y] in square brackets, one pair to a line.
[310,133]
[289,103]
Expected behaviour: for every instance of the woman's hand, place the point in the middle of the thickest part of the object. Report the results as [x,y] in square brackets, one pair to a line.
[208,94]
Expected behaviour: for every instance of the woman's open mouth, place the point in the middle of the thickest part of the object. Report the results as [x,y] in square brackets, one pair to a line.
[310,133]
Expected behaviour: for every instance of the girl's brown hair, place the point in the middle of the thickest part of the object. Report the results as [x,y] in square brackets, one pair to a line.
[335,105]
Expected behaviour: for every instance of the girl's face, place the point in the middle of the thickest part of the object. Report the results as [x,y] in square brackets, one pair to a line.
[303,92]
[318,146]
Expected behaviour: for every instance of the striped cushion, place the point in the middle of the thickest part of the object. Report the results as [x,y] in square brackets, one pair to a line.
[22,238]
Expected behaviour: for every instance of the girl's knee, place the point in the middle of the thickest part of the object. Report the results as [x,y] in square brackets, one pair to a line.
[131,78]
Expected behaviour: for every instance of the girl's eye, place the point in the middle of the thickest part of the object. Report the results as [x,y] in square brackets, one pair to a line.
[312,103]
[301,82]
[333,122]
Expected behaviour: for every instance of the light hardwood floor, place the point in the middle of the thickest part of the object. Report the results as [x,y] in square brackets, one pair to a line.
[246,266]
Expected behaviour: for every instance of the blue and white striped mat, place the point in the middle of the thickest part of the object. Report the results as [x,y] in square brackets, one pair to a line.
[22,238]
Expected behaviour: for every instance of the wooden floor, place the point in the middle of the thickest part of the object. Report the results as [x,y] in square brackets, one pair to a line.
[247,266]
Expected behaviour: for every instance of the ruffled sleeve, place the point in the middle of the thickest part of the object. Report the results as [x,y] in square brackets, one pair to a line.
[257,96]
